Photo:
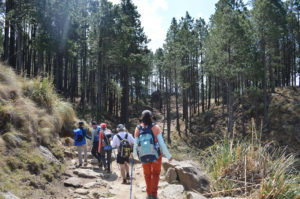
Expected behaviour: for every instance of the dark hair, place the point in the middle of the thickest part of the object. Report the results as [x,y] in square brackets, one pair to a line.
[146,117]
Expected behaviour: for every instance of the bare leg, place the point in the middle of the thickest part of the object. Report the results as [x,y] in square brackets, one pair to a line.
[122,168]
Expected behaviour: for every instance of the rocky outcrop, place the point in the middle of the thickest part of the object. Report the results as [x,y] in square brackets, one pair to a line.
[48,155]
[189,174]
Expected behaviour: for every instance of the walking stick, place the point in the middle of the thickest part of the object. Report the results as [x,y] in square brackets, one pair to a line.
[131,177]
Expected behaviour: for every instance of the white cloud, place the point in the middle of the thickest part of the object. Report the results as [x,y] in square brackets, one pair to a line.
[151,20]
[115,1]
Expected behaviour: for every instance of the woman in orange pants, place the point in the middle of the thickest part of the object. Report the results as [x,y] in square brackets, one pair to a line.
[153,167]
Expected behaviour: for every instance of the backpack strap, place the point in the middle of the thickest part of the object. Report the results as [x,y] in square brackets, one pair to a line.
[119,137]
[150,128]
[126,136]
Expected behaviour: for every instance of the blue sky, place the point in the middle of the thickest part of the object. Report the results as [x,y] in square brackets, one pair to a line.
[156,15]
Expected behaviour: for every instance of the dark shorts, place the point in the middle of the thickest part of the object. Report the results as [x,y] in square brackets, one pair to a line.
[121,160]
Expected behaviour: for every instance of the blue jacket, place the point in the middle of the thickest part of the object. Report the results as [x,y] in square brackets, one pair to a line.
[83,130]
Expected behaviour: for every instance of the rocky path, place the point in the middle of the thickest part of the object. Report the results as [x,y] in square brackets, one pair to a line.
[91,182]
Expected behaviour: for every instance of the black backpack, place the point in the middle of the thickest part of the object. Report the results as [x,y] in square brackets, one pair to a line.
[125,147]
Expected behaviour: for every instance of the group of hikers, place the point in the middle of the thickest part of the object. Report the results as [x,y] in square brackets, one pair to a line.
[147,144]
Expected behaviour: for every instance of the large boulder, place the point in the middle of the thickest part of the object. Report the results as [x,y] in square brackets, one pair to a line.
[171,175]
[189,174]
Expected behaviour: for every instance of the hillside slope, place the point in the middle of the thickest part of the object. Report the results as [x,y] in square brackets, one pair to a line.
[32,117]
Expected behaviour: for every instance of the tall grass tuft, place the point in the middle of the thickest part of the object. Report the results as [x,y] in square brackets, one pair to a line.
[251,168]
[41,91]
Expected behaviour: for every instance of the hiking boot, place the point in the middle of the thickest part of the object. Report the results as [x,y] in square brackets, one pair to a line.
[124,181]
[127,176]
[79,165]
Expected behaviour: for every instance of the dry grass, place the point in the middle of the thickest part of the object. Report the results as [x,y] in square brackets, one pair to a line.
[252,169]
[31,114]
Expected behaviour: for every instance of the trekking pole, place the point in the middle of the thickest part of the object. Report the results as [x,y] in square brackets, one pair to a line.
[131,177]
[116,159]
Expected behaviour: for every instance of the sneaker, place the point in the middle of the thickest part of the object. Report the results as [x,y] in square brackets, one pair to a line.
[79,165]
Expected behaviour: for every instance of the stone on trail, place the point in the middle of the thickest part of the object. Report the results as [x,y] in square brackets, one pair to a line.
[193,195]
[90,185]
[171,175]
[227,198]
[172,191]
[162,184]
[8,195]
[73,182]
[87,173]
[82,191]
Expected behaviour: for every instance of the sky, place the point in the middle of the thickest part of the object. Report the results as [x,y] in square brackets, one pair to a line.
[156,15]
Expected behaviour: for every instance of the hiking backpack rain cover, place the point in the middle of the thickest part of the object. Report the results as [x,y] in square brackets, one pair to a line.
[125,147]
[147,149]
[78,135]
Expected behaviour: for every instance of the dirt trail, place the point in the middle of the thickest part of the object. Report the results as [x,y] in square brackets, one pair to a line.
[91,182]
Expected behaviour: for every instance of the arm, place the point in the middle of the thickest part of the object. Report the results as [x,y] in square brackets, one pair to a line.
[92,140]
[136,135]
[163,146]
[114,142]
[85,134]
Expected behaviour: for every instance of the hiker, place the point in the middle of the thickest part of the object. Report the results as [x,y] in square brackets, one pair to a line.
[95,142]
[124,142]
[105,149]
[80,142]
[148,146]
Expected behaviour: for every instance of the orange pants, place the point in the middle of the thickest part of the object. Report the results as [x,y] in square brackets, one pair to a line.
[151,174]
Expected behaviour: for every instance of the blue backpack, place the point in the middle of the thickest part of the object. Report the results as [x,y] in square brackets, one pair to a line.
[98,132]
[78,135]
[148,150]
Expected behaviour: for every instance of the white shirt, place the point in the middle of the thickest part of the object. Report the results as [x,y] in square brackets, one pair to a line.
[116,141]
